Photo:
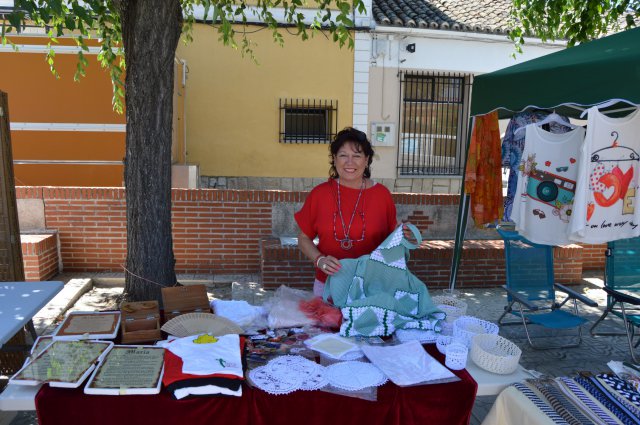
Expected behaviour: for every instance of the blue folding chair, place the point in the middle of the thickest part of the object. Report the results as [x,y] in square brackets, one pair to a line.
[531,290]
[622,285]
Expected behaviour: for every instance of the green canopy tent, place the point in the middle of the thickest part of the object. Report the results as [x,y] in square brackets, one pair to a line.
[568,81]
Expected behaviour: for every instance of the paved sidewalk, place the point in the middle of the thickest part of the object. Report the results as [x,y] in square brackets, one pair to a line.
[102,291]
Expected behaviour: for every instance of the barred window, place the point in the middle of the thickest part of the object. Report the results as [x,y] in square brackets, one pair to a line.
[308,120]
[433,123]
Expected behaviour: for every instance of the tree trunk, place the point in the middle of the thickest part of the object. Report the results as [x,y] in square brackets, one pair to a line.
[150,30]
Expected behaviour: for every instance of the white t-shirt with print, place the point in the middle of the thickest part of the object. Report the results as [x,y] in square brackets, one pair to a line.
[546,185]
[222,356]
[606,205]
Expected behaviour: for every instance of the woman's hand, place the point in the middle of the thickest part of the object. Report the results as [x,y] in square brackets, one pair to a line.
[329,265]
[408,234]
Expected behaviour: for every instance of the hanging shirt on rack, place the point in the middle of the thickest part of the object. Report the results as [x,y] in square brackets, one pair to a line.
[512,146]
[547,184]
[605,204]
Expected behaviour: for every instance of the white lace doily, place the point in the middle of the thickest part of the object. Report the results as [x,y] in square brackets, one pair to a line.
[261,378]
[311,373]
[290,373]
[354,376]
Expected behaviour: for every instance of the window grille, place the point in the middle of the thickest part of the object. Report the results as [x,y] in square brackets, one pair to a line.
[308,120]
[434,121]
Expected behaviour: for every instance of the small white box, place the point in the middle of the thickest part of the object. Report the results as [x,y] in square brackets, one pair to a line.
[383,134]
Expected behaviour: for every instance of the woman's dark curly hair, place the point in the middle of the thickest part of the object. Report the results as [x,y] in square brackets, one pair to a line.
[359,138]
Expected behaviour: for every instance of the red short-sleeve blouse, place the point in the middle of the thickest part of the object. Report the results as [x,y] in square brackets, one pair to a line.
[375,218]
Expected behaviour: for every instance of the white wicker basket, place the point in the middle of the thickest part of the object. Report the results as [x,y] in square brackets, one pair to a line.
[446,328]
[495,354]
[466,327]
[453,307]
[442,342]
[456,356]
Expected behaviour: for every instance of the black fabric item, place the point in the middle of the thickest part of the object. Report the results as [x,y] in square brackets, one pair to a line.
[231,384]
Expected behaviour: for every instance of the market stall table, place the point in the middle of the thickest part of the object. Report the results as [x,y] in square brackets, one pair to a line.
[449,404]
[493,383]
[20,301]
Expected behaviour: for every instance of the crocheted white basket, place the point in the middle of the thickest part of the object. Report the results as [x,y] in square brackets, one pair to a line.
[495,354]
[442,342]
[453,307]
[466,327]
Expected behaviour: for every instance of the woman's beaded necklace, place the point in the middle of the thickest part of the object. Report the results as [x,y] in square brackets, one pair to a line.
[347,242]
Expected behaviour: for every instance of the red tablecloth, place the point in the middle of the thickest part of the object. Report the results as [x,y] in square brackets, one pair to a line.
[443,404]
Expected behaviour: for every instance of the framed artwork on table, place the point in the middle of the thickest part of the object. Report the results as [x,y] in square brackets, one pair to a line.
[88,325]
[63,364]
[128,370]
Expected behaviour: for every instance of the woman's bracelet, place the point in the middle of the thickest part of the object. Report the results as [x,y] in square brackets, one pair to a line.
[317,259]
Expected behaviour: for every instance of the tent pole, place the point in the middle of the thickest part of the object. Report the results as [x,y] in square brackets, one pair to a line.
[463,213]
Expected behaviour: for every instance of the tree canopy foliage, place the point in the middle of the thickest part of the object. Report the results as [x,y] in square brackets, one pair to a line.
[576,21]
[143,36]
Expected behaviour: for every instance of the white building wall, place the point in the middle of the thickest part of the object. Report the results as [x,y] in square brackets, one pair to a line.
[435,50]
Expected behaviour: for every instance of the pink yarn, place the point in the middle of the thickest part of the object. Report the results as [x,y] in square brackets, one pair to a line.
[323,313]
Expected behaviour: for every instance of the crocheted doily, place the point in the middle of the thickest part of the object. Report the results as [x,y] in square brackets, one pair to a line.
[290,373]
[261,378]
[354,376]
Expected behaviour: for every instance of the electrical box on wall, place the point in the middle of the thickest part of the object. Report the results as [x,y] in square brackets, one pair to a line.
[383,134]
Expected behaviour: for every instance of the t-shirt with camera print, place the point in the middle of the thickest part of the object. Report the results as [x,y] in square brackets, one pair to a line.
[608,179]
[547,185]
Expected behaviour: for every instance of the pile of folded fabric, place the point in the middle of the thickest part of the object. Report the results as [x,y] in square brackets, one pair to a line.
[204,365]
[584,399]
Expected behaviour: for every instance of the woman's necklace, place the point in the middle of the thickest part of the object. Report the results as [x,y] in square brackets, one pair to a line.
[347,242]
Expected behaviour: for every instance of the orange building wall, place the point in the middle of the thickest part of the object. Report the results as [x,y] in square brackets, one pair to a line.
[36,96]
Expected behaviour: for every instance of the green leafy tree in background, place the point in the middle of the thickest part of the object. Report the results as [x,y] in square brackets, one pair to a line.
[143,36]
[576,21]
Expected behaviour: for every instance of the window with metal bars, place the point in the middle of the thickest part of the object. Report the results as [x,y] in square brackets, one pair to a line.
[308,120]
[433,117]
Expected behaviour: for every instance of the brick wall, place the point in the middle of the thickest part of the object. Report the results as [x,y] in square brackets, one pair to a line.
[482,264]
[215,231]
[593,256]
[219,231]
[40,256]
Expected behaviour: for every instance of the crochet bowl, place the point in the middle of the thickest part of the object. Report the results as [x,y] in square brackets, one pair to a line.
[453,307]
[442,342]
[495,354]
[466,327]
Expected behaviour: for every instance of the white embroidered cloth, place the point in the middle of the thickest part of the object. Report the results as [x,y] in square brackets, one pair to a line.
[408,364]
[423,336]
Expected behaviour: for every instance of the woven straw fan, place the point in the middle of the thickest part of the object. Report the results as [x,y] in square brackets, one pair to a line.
[198,323]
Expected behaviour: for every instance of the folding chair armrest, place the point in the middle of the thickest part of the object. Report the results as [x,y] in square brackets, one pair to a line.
[574,294]
[518,297]
[620,297]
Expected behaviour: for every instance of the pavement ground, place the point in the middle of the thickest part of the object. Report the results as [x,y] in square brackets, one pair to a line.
[89,292]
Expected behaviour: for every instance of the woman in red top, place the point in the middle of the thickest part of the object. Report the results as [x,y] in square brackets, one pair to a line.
[350,213]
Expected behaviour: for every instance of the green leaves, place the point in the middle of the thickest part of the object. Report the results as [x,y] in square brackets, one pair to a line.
[100,20]
[576,21]
[227,14]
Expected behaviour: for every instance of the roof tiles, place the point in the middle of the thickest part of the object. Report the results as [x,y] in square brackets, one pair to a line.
[486,16]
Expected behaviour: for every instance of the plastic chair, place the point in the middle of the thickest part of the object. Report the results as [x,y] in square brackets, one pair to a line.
[531,290]
[622,285]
